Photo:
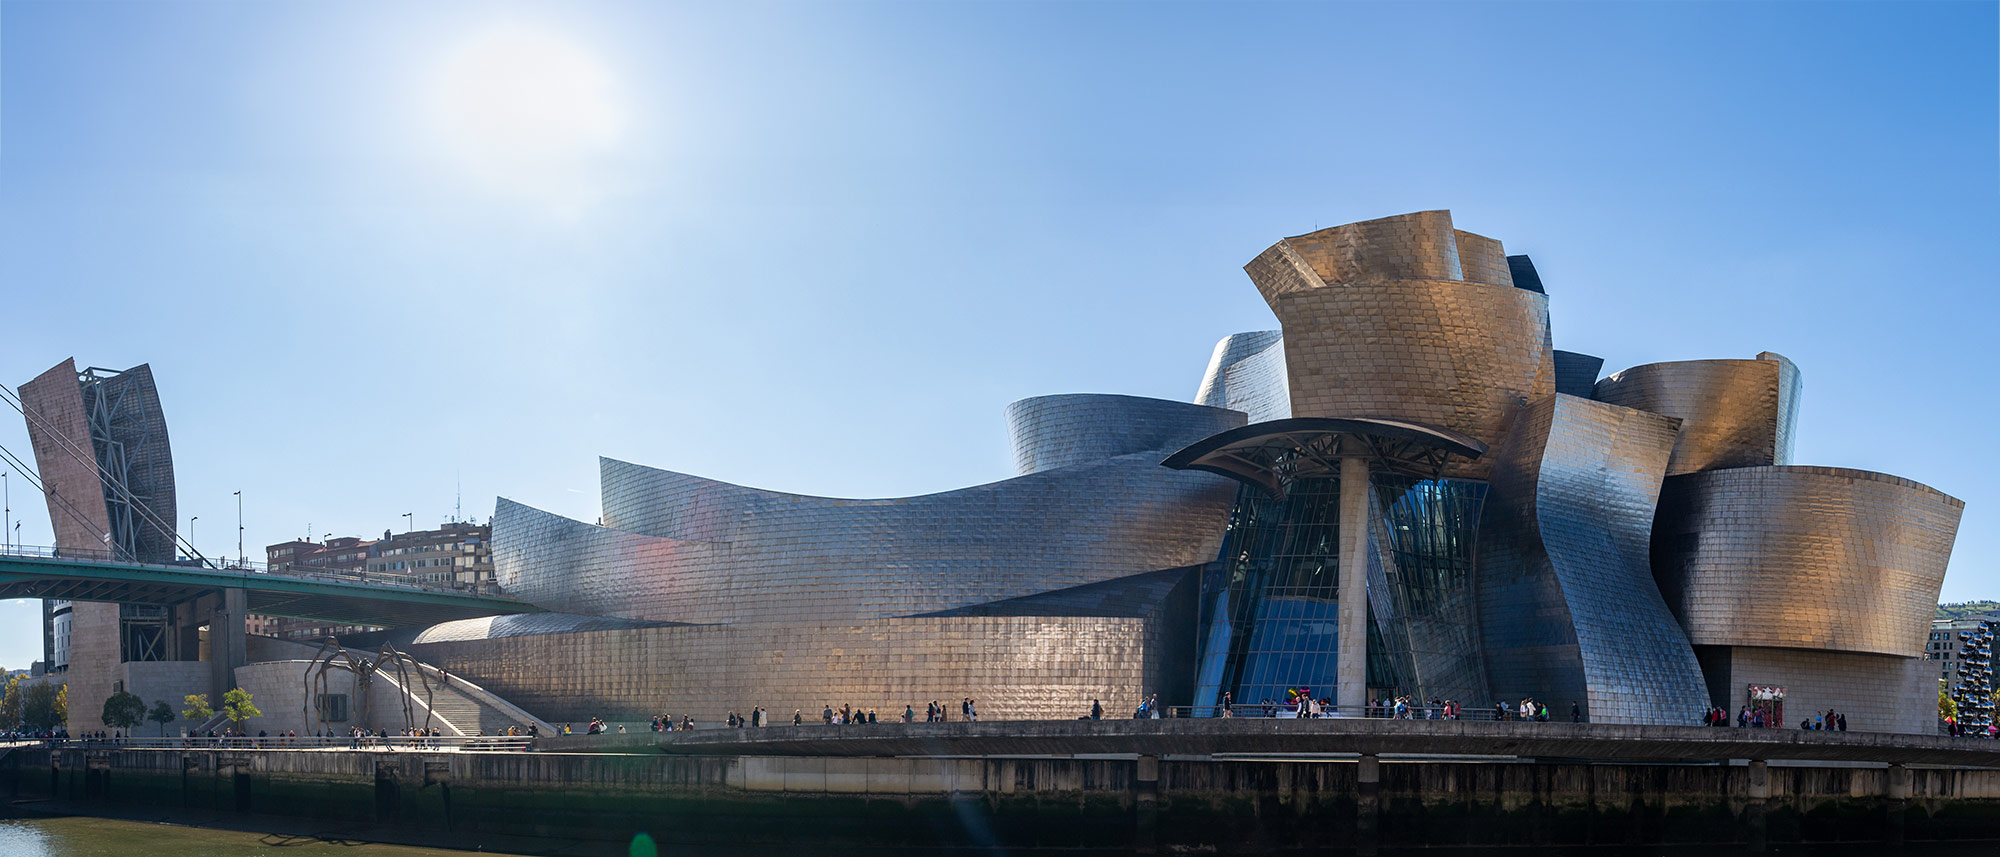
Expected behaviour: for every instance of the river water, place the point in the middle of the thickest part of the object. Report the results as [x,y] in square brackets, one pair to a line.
[79,836]
[76,836]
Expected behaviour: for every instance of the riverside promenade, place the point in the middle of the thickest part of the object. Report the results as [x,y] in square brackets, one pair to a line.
[1227,786]
[1284,736]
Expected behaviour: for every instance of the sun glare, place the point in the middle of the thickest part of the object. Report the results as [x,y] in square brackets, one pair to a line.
[526,110]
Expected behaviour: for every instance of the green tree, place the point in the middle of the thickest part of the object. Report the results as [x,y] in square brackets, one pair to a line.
[10,704]
[62,704]
[123,710]
[237,707]
[1947,709]
[162,714]
[196,710]
[42,706]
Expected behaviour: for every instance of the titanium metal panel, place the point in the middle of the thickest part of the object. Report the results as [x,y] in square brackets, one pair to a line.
[1569,611]
[1417,246]
[1804,557]
[1481,259]
[1576,374]
[679,548]
[1247,373]
[1734,413]
[1057,431]
[1458,355]
[1523,271]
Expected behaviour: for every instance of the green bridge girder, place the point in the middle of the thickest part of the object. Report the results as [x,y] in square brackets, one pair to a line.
[342,602]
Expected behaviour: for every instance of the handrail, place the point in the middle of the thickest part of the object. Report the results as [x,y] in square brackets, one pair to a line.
[288,571]
[303,742]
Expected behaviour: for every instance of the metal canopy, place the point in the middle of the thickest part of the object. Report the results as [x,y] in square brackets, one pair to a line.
[269,594]
[1271,453]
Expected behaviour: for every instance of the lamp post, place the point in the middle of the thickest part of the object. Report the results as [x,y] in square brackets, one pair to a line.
[409,522]
[191,521]
[241,558]
[7,489]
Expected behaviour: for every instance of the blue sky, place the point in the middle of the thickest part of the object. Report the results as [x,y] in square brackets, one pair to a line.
[377,251]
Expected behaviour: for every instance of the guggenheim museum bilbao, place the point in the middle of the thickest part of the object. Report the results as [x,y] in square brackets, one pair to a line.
[1404,490]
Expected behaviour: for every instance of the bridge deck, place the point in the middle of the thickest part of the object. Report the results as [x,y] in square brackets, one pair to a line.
[1274,736]
[304,596]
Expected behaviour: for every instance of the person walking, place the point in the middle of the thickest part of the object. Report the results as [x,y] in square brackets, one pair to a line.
[1575,712]
[1096,710]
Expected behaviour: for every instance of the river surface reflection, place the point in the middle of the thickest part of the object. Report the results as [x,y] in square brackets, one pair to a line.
[107,837]
[77,836]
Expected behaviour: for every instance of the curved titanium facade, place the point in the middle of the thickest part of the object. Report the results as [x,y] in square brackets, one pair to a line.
[1804,558]
[1247,373]
[1058,431]
[1734,413]
[1576,374]
[1406,317]
[1569,608]
[1452,354]
[1506,523]
[693,550]
[1417,246]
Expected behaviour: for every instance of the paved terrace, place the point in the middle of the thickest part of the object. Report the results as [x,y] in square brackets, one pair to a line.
[1289,736]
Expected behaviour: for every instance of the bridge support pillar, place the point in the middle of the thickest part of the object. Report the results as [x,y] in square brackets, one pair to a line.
[1367,804]
[1146,802]
[227,647]
[1753,812]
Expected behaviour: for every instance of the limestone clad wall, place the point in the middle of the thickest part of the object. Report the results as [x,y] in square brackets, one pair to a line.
[1878,693]
[1015,666]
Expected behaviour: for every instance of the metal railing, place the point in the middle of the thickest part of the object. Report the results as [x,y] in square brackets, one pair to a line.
[465,743]
[287,571]
[1285,711]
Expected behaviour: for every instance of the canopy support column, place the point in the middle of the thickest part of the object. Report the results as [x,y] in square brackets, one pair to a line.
[1352,658]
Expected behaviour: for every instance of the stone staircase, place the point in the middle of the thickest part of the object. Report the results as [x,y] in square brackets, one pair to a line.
[458,707]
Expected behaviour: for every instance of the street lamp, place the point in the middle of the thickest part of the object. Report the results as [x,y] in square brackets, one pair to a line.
[241,557]
[409,522]
[191,530]
[7,489]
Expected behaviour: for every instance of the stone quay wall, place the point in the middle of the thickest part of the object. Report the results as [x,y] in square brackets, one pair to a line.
[1144,803]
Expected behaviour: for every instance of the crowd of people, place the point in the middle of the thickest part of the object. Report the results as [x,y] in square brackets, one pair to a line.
[846,715]
[1762,718]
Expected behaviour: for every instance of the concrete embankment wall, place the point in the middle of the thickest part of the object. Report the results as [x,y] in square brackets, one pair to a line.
[1232,806]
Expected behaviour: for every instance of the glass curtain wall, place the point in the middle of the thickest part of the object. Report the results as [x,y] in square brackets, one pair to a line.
[1420,584]
[1270,605]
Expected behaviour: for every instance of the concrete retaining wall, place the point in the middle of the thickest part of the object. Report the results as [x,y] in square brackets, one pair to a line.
[1023,803]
